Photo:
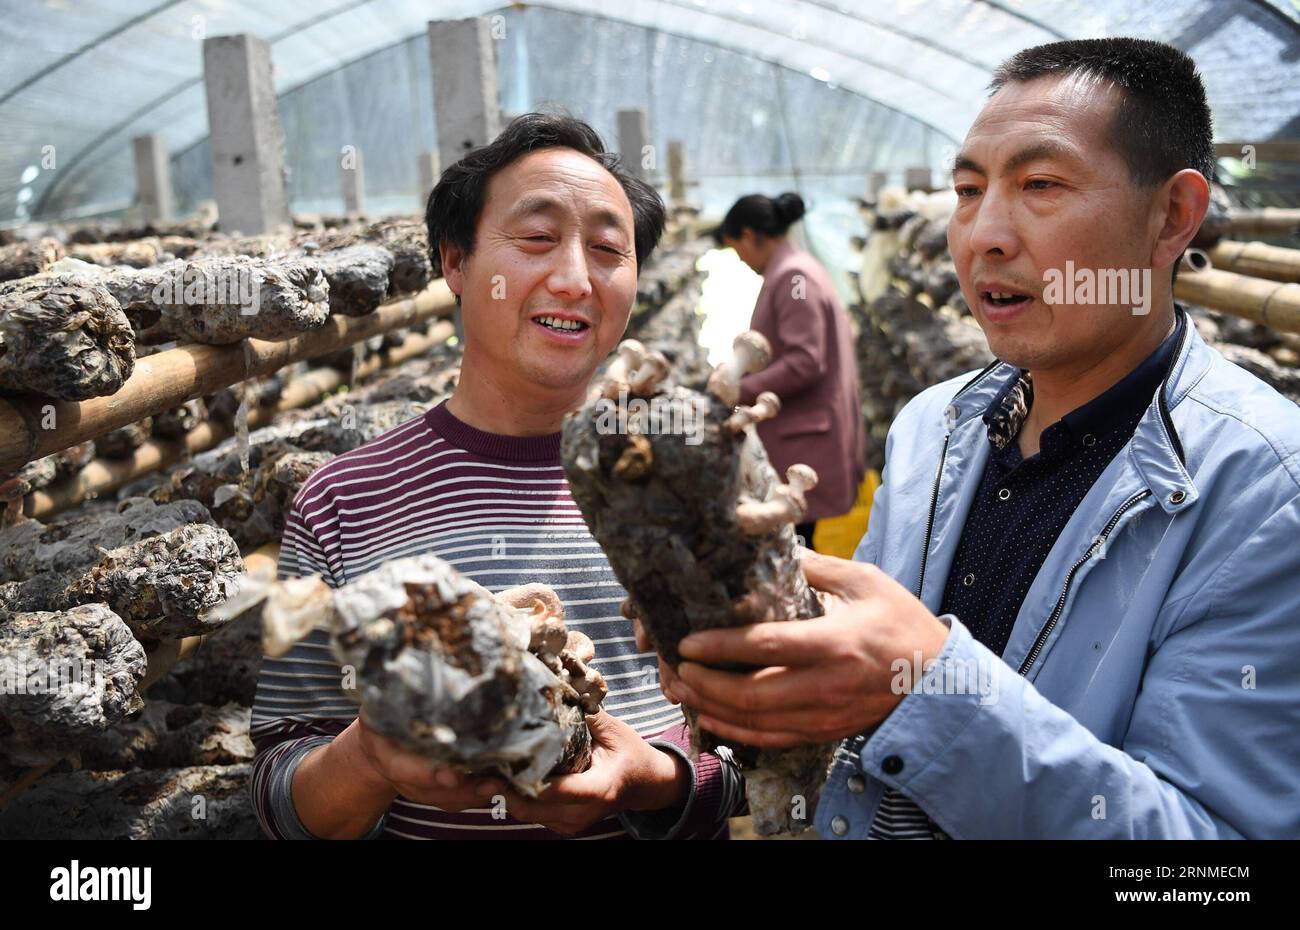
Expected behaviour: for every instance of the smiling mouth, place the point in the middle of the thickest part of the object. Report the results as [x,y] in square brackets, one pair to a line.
[1004,298]
[557,325]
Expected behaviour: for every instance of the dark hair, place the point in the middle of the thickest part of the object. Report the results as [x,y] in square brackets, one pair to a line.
[1162,124]
[456,203]
[763,214]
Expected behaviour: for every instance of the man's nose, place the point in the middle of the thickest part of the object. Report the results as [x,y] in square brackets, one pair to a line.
[992,231]
[569,276]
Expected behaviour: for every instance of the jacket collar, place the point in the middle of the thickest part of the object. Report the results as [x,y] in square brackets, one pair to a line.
[1156,449]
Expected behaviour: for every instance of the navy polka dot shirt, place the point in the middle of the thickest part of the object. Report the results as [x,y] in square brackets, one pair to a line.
[1022,505]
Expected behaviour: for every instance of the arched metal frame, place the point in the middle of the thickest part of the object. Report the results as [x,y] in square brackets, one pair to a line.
[929,76]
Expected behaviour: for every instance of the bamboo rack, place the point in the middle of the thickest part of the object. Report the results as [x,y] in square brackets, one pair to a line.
[102,476]
[168,379]
[1263,220]
[1272,303]
[1258,259]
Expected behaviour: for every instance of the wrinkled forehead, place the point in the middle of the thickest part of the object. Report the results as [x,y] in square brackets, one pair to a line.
[560,183]
[1067,114]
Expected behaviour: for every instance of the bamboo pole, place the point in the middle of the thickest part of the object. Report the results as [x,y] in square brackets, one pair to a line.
[1272,303]
[1258,259]
[1272,150]
[1263,220]
[102,476]
[30,430]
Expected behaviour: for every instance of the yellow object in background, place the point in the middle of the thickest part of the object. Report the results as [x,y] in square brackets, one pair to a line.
[839,536]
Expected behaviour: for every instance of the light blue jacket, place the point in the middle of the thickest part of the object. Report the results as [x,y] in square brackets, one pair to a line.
[1151,684]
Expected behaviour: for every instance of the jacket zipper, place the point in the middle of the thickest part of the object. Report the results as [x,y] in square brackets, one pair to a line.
[1046,631]
[934,506]
[938,476]
[1163,405]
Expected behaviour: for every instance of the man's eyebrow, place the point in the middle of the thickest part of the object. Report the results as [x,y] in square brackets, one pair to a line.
[544,203]
[1026,155]
[534,203]
[1038,150]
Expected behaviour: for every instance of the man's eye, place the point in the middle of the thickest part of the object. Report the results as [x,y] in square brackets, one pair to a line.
[966,190]
[537,238]
[612,250]
[1039,184]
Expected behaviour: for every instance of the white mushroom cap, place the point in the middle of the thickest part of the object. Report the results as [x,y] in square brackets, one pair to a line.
[754,346]
[750,352]
[801,478]
[631,354]
[654,368]
[787,504]
[766,406]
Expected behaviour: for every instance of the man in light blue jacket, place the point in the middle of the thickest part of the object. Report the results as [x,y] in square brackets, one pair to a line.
[1076,612]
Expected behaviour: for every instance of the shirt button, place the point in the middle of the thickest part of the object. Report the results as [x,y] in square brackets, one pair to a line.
[952,411]
[1177,497]
[839,826]
[1004,494]
[1090,440]
[968,580]
[891,765]
[857,784]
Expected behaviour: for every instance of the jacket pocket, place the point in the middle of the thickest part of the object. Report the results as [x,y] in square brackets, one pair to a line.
[816,421]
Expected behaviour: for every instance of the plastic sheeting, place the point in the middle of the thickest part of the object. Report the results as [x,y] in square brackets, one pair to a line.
[764,95]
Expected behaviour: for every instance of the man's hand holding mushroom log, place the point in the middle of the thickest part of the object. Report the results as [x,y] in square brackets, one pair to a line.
[363,771]
[626,774]
[341,789]
[820,680]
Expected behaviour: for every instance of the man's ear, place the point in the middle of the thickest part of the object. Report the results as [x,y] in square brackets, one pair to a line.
[452,257]
[1179,208]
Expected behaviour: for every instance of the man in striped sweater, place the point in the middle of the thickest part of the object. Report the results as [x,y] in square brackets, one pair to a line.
[540,235]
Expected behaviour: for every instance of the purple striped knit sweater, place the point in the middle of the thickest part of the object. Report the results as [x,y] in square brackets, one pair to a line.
[497,508]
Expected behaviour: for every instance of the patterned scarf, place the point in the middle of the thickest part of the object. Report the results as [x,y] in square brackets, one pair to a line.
[1005,420]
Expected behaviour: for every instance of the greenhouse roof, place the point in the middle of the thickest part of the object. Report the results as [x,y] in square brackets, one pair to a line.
[76,84]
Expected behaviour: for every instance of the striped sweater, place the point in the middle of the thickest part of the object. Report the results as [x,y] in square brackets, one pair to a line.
[498,509]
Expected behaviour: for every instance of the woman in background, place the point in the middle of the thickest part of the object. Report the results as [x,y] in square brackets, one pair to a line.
[813,369]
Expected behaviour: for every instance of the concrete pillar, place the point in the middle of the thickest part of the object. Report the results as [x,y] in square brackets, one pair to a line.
[352,178]
[429,173]
[468,108]
[875,181]
[917,179]
[153,177]
[245,133]
[676,171]
[633,137]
